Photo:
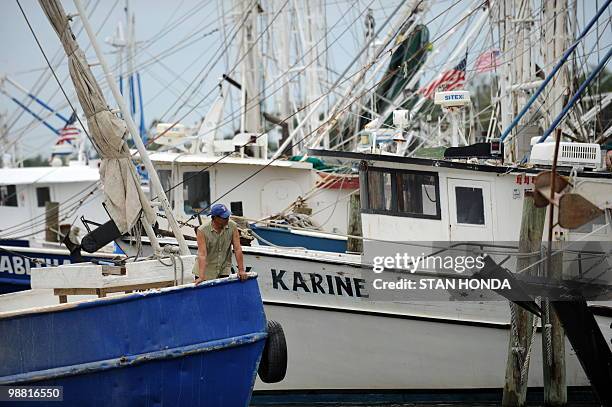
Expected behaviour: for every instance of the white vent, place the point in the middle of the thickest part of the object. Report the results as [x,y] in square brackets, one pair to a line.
[586,155]
[579,152]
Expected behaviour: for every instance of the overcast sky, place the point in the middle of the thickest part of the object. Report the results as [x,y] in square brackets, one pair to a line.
[187,48]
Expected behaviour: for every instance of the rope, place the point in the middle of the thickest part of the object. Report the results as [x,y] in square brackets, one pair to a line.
[32,259]
[273,244]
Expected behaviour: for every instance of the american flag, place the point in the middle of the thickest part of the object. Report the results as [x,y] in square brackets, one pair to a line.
[487,61]
[449,80]
[69,132]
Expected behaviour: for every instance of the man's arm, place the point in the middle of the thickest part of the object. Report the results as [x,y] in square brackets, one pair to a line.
[201,257]
[239,256]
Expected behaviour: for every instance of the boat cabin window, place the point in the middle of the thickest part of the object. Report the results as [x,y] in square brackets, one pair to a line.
[165,178]
[401,193]
[196,191]
[42,196]
[470,205]
[8,195]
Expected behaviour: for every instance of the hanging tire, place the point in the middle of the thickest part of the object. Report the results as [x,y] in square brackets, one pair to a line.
[273,364]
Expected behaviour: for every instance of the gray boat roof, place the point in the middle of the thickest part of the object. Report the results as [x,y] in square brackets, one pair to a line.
[445,163]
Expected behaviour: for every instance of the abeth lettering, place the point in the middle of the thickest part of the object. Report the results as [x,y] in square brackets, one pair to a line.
[315,283]
[21,265]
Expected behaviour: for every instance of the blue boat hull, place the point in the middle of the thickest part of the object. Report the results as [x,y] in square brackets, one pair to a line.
[195,346]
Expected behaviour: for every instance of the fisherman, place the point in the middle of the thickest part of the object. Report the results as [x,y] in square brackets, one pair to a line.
[215,240]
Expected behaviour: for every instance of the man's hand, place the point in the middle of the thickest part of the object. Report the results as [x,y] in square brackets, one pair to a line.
[199,280]
[242,275]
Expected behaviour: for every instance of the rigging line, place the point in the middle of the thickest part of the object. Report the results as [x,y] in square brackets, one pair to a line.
[95,185]
[167,51]
[452,27]
[347,106]
[171,50]
[55,75]
[189,14]
[41,81]
[568,243]
[176,76]
[210,64]
[35,37]
[288,81]
[202,100]
[550,21]
[36,88]
[66,212]
[254,45]
[176,9]
[35,123]
[297,111]
[59,63]
[306,106]
[179,44]
[103,87]
[89,45]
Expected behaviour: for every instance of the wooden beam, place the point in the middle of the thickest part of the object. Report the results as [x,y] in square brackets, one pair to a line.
[101,292]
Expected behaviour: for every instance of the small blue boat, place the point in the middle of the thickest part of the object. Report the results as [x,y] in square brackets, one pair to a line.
[285,237]
[179,346]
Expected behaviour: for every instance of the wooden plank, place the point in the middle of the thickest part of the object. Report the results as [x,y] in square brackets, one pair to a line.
[136,287]
[63,293]
[113,270]
[74,291]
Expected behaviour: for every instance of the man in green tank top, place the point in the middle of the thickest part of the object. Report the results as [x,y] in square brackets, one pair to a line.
[215,240]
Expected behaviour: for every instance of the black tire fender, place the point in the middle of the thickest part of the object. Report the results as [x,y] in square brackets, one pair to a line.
[273,363]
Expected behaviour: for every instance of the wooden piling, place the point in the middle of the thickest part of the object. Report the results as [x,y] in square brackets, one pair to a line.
[354,225]
[52,222]
[553,334]
[555,390]
[517,365]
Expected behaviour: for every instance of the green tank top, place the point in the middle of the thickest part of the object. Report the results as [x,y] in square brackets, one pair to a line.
[218,250]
